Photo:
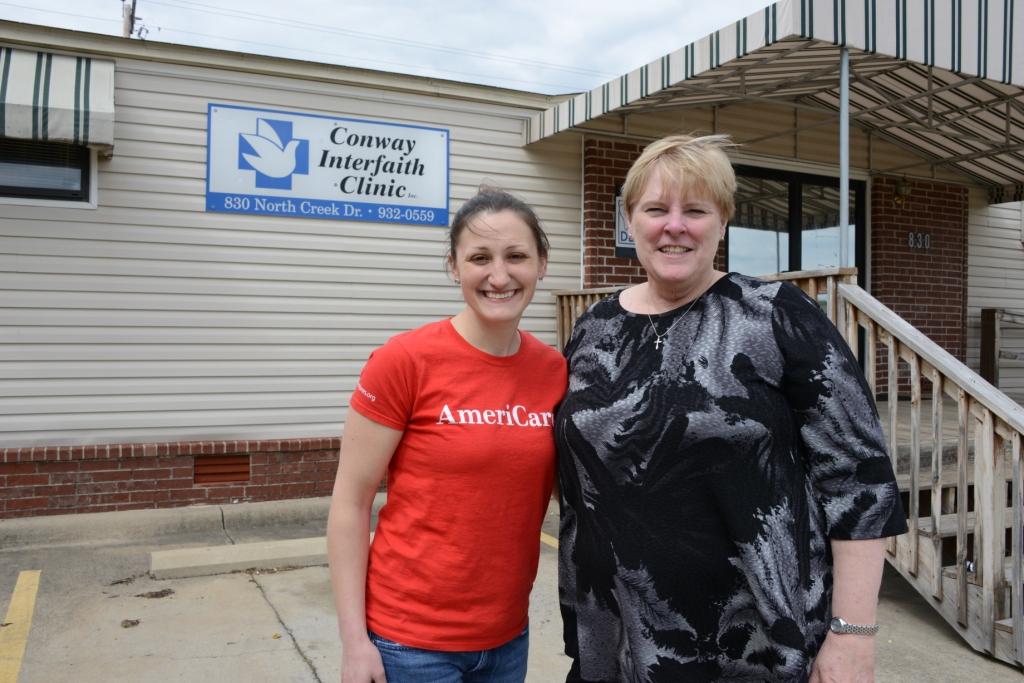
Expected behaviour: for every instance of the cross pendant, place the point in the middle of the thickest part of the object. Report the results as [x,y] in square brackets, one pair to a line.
[657,343]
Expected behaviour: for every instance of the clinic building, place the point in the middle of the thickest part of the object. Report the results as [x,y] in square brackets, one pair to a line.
[200,248]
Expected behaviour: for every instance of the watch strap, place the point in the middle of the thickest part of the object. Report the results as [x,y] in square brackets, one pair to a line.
[840,625]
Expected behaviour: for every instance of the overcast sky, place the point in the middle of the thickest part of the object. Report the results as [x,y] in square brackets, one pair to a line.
[535,45]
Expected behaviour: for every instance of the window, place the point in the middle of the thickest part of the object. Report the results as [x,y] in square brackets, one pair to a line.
[44,170]
[790,221]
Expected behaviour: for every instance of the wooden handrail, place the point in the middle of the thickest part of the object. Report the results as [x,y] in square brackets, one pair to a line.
[814,282]
[979,595]
[1008,410]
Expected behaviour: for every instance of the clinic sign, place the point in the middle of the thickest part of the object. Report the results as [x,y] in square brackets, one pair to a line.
[269,162]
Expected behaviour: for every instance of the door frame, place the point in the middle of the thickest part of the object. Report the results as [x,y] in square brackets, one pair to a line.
[795,183]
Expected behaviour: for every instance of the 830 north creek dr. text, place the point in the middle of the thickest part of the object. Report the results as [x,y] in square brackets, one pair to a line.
[282,206]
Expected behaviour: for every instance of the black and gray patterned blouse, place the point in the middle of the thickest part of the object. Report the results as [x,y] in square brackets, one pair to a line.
[701,484]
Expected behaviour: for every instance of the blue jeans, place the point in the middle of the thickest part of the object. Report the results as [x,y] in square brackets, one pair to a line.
[503,664]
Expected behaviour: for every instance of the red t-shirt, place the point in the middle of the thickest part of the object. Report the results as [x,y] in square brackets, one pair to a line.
[456,547]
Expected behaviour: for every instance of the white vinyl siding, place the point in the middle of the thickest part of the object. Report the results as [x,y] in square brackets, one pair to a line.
[149,320]
[995,279]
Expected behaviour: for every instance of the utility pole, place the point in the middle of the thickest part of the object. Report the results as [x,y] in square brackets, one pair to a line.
[128,15]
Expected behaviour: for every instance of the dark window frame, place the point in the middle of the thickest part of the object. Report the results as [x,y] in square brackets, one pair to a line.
[796,180]
[47,154]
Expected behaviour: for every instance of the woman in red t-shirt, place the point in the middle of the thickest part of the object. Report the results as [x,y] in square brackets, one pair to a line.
[458,413]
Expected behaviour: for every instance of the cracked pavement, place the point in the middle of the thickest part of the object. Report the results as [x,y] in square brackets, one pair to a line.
[100,617]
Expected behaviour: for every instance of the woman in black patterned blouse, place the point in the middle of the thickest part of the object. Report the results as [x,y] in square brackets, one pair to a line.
[725,485]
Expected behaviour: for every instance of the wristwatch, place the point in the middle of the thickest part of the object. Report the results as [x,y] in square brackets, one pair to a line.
[839,625]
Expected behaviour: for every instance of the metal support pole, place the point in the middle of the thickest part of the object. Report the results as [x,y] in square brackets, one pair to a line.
[844,157]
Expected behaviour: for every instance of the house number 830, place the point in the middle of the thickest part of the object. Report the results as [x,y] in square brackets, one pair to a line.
[919,240]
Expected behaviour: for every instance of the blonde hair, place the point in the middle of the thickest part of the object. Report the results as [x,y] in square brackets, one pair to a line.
[686,163]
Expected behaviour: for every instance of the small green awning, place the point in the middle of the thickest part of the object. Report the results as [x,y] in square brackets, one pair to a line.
[56,98]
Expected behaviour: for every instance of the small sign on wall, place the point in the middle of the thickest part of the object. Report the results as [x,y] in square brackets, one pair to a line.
[264,161]
[920,241]
[625,247]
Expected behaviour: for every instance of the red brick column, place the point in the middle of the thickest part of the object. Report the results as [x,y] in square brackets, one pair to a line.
[605,164]
[70,479]
[919,260]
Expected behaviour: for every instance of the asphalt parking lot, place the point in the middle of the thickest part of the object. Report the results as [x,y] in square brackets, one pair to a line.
[98,615]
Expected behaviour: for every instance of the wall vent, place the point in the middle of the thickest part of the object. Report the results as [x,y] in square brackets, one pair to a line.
[221,469]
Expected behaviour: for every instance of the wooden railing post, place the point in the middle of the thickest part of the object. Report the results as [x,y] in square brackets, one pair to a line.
[570,305]
[915,462]
[871,362]
[988,544]
[850,318]
[894,398]
[991,342]
[832,297]
[1017,549]
[962,414]
[996,534]
[936,489]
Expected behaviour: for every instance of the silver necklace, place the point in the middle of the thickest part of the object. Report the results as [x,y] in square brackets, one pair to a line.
[659,337]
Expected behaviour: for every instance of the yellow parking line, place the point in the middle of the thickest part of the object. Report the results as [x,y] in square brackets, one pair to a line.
[548,539]
[14,631]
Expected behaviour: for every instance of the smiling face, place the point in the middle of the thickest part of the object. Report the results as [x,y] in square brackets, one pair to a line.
[677,231]
[498,263]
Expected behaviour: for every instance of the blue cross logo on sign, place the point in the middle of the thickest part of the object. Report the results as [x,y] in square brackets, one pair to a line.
[273,154]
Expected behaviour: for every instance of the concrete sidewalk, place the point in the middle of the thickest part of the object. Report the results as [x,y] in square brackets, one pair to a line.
[100,615]
[143,525]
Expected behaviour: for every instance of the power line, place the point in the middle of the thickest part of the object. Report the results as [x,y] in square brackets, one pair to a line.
[254,16]
[503,78]
[53,11]
[423,71]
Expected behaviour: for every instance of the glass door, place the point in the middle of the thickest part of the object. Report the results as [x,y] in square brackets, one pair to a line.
[819,226]
[759,232]
[789,221]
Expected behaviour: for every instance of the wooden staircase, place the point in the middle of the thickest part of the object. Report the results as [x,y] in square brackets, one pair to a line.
[955,441]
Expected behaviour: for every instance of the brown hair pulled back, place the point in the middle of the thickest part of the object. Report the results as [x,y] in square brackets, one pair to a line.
[493,200]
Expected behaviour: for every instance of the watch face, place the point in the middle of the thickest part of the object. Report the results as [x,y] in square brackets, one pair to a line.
[836,625]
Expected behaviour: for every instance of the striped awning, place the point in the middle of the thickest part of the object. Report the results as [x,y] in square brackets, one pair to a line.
[56,98]
[944,78]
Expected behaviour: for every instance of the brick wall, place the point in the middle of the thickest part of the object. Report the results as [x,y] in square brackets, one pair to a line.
[926,285]
[72,479]
[605,164]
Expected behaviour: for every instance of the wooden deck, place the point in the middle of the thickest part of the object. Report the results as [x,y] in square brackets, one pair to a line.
[950,432]
[949,421]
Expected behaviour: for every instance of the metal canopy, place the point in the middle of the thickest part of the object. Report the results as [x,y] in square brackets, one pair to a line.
[940,79]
